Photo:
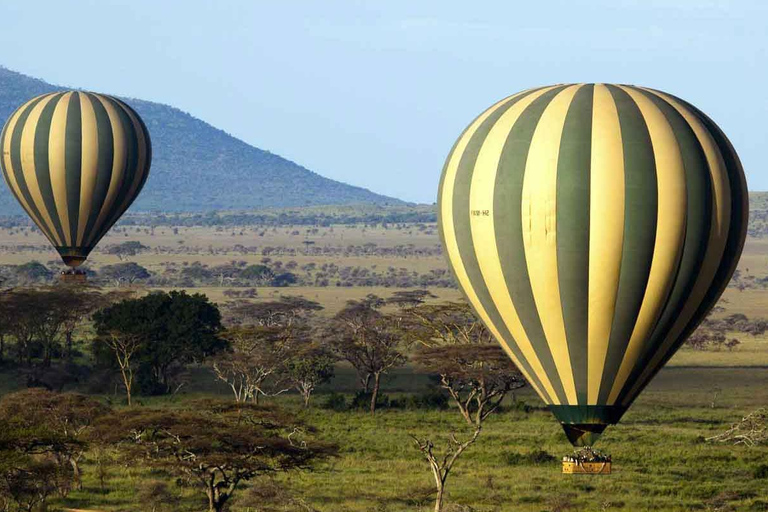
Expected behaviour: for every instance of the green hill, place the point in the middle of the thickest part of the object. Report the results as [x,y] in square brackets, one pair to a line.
[198,167]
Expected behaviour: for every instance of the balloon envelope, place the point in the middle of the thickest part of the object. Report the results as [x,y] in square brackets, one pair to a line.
[75,161]
[592,227]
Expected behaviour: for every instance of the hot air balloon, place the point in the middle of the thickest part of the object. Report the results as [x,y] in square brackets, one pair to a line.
[75,161]
[592,227]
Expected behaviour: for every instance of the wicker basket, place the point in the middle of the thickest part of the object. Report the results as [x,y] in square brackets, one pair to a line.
[66,277]
[586,468]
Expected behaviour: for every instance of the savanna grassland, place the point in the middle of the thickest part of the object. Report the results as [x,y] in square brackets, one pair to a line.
[661,458]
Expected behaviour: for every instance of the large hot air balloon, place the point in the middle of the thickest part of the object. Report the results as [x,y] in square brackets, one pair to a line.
[75,161]
[592,227]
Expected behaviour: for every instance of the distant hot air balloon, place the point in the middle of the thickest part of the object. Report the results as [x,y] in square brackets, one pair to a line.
[592,227]
[75,161]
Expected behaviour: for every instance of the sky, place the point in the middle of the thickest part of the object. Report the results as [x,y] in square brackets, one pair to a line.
[375,93]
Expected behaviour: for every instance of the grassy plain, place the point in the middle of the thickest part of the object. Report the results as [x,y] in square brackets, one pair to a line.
[661,460]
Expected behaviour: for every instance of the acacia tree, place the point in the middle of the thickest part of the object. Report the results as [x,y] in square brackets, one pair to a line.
[38,444]
[254,365]
[268,336]
[369,339]
[214,447]
[471,367]
[66,416]
[310,367]
[128,272]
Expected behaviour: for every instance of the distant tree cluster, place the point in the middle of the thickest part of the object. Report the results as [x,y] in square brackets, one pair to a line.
[37,326]
[716,334]
[401,214]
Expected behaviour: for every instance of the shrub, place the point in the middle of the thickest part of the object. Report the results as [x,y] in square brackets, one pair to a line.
[335,402]
[428,400]
[534,457]
[362,400]
[760,472]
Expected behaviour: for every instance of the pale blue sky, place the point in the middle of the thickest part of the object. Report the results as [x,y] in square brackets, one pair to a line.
[375,93]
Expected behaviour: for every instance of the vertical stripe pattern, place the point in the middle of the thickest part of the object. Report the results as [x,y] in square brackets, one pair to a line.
[592,227]
[75,161]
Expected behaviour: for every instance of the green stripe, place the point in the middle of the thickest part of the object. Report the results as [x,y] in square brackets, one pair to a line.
[507,207]
[734,244]
[15,151]
[697,228]
[104,164]
[42,170]
[2,159]
[73,148]
[462,227]
[131,164]
[640,217]
[147,147]
[573,174]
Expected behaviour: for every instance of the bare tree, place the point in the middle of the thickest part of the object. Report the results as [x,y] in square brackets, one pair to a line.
[254,365]
[124,346]
[472,369]
[269,335]
[308,368]
[369,339]
[751,431]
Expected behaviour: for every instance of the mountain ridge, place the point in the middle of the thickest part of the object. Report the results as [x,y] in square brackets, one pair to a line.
[199,167]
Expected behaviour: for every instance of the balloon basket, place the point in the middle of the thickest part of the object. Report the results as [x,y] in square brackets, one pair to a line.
[72,276]
[587,461]
[586,468]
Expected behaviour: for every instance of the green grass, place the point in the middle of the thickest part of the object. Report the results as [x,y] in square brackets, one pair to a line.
[660,459]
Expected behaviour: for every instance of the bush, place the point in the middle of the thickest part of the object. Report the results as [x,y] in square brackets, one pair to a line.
[518,406]
[534,457]
[428,400]
[335,402]
[362,400]
[760,472]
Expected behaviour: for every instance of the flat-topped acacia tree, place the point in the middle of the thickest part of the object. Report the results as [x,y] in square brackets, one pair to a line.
[215,447]
[371,340]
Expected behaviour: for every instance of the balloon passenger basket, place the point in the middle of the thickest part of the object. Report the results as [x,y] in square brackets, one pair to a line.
[586,468]
[587,461]
[73,276]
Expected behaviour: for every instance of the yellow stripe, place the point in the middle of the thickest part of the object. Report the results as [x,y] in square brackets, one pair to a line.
[89,164]
[56,166]
[484,237]
[10,126]
[118,167]
[449,234]
[606,232]
[540,233]
[718,235]
[141,164]
[27,148]
[670,232]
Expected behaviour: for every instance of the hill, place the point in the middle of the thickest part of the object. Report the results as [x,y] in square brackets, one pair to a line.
[197,167]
